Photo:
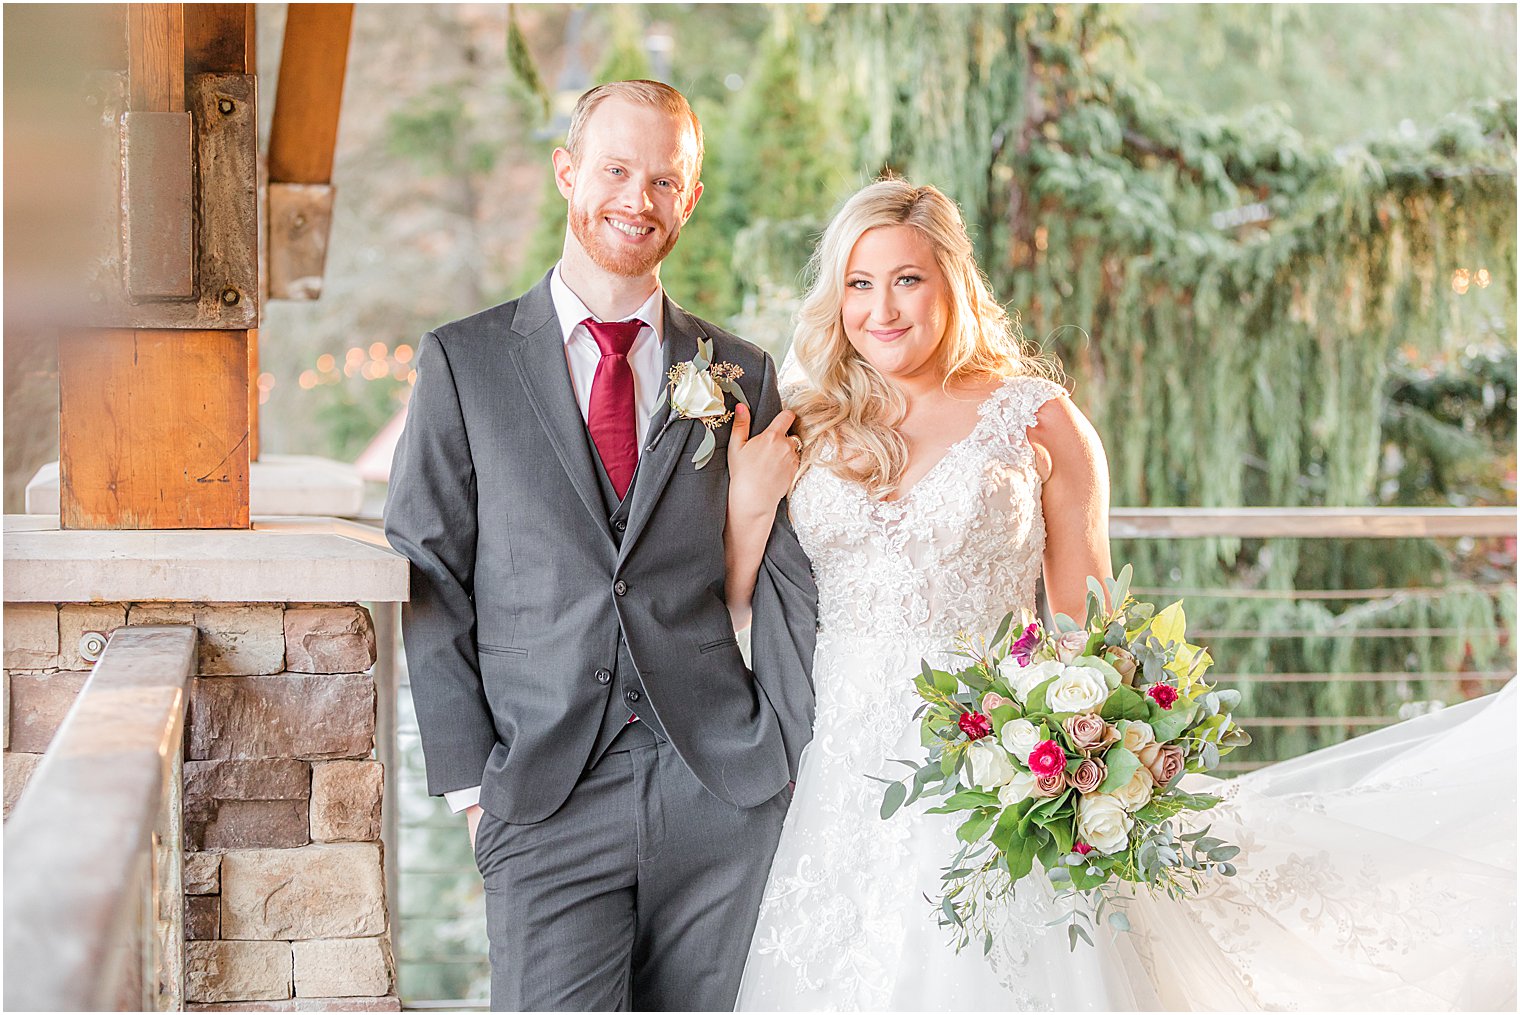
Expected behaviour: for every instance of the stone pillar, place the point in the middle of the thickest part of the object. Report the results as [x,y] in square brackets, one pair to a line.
[285,906]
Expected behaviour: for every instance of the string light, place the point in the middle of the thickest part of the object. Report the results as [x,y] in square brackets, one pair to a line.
[375,362]
[1482,278]
[1460,280]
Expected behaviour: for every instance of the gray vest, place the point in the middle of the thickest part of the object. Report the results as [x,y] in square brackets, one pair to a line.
[625,691]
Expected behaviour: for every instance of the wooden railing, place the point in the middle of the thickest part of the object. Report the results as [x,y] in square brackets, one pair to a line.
[93,905]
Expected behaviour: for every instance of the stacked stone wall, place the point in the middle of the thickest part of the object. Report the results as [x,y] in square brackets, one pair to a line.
[285,906]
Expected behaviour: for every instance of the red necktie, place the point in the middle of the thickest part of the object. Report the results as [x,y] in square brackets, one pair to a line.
[610,414]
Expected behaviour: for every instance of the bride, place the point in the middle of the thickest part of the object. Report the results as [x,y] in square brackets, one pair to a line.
[940,475]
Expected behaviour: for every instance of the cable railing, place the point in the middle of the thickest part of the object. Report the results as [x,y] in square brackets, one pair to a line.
[441,949]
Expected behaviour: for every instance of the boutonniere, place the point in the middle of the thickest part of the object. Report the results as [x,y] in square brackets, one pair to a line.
[695,389]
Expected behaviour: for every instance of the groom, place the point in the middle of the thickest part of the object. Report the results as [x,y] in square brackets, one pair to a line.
[576,676]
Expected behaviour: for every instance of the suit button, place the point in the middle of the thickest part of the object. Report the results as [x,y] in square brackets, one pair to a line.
[620,587]
[604,676]
[620,525]
[633,695]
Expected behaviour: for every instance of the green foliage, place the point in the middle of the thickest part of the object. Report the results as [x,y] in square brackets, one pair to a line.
[438,133]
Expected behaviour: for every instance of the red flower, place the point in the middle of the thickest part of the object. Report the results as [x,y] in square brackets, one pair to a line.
[1082,848]
[1165,695]
[975,725]
[1047,758]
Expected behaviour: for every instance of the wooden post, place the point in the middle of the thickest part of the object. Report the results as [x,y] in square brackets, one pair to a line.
[153,424]
[222,39]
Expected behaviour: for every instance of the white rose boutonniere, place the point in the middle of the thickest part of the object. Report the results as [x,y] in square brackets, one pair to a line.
[695,390]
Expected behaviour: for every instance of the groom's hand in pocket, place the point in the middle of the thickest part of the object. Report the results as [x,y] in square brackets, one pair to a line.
[472,819]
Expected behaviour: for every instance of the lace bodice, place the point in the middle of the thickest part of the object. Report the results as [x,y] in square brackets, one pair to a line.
[959,549]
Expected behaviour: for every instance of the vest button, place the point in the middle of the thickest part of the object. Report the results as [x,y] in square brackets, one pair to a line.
[604,676]
[620,587]
[620,525]
[632,695]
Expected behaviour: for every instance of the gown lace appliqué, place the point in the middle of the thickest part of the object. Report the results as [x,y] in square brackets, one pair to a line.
[846,922]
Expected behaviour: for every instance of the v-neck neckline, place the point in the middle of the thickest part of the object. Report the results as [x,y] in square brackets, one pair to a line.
[981,421]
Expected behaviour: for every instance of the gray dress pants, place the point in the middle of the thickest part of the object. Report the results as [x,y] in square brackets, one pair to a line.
[639,894]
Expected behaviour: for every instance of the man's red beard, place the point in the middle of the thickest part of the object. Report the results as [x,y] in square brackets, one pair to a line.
[614,257]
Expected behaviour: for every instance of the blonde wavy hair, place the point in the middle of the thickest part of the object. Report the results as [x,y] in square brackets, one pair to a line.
[848,406]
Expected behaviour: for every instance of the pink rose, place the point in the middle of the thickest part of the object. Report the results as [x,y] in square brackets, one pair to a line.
[1047,758]
[1164,695]
[993,700]
[1089,775]
[1050,785]
[1121,660]
[1163,761]
[975,725]
[1070,645]
[1082,848]
[1089,733]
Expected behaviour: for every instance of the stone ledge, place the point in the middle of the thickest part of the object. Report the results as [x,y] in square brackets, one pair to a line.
[279,560]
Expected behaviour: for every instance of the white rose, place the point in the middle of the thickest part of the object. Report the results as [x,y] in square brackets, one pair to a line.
[1020,736]
[1103,823]
[1017,789]
[1136,793]
[1078,689]
[1137,734]
[989,764]
[697,396]
[1023,679]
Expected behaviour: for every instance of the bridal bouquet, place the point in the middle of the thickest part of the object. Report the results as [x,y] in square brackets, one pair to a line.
[1065,747]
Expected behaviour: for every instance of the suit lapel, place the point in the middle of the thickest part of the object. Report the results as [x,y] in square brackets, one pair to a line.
[656,466]
[540,361]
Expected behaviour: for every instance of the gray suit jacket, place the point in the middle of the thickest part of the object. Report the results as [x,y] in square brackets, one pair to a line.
[519,591]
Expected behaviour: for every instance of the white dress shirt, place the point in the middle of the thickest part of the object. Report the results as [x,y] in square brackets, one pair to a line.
[582,355]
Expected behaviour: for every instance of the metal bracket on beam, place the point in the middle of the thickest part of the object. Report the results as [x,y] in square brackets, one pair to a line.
[131,282]
[158,206]
[300,219]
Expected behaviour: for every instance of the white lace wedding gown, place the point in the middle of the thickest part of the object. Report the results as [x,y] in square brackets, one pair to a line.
[1360,886]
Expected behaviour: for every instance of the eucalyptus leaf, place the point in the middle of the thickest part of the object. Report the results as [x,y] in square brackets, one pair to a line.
[1095,589]
[895,795]
[1002,631]
[705,449]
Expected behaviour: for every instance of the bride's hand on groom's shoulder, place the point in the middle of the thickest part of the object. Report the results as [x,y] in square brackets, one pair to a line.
[761,466]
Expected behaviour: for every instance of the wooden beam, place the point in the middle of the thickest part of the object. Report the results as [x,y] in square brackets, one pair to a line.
[153,429]
[219,39]
[156,58]
[307,99]
[253,395]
